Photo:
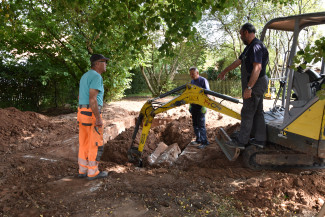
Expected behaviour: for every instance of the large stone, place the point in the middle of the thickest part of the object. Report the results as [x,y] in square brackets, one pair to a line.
[169,156]
[160,148]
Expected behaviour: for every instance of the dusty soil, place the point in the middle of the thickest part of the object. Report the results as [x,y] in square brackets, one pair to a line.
[38,168]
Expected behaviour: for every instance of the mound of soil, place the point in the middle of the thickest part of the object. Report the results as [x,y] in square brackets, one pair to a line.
[28,130]
[299,190]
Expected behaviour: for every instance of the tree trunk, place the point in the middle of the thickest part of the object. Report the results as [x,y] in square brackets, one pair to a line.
[147,81]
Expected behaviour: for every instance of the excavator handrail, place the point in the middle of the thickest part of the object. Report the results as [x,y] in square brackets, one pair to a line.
[209,92]
[170,92]
[222,96]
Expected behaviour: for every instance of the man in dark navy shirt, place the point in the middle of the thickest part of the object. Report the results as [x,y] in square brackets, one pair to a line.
[254,81]
[197,111]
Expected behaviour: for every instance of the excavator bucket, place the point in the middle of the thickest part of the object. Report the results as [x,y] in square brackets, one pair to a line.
[134,156]
[230,152]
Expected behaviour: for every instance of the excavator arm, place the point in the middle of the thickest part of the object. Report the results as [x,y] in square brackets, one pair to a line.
[191,94]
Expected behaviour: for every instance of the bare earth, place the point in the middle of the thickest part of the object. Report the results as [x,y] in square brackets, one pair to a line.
[38,168]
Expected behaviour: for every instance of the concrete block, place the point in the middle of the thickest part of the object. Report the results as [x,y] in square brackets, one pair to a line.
[161,147]
[169,156]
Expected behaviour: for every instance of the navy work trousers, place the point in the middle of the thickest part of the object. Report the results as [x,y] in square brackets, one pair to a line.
[198,119]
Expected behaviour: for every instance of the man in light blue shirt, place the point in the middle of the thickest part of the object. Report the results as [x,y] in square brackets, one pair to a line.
[91,94]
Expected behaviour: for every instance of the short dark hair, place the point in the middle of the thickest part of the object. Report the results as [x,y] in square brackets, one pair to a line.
[249,27]
[193,68]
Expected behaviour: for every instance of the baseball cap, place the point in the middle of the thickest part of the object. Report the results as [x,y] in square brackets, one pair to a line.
[96,57]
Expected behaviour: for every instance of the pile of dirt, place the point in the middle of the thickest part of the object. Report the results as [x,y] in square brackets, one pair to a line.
[28,130]
[178,131]
[58,111]
[276,193]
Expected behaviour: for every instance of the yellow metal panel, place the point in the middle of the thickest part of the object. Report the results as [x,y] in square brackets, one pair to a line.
[144,133]
[321,96]
[309,124]
[322,136]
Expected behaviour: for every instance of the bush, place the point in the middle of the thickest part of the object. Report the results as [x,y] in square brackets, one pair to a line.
[234,74]
[212,73]
[31,87]
[138,84]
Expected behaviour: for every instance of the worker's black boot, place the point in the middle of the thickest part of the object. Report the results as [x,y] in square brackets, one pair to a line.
[202,146]
[100,175]
[234,143]
[194,143]
[260,144]
[82,175]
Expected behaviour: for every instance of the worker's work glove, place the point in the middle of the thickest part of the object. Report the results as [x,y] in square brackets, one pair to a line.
[203,110]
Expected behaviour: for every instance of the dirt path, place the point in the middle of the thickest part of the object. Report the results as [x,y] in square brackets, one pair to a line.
[38,170]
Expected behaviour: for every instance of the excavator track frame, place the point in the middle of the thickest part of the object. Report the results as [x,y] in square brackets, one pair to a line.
[276,157]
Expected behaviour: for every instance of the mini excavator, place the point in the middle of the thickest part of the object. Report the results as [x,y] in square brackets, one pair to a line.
[295,129]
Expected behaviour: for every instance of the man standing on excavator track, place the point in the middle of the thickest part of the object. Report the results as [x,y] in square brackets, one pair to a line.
[254,81]
[198,112]
[91,94]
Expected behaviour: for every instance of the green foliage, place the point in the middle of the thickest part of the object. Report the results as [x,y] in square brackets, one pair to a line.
[229,45]
[159,71]
[138,84]
[311,54]
[212,73]
[234,74]
[61,35]
[169,85]
[221,63]
[236,90]
[68,32]
[29,88]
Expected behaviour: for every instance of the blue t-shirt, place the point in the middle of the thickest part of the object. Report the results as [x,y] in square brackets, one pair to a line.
[201,82]
[91,80]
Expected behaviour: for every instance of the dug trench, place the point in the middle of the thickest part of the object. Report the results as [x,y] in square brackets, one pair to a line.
[38,168]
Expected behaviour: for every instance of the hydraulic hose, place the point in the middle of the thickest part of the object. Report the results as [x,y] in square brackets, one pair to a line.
[225,97]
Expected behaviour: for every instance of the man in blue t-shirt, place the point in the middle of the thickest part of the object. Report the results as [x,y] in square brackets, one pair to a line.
[91,94]
[254,81]
[197,111]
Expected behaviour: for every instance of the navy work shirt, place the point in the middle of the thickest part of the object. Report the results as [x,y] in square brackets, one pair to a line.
[201,82]
[255,52]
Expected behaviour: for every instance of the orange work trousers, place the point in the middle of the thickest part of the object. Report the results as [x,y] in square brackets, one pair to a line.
[90,143]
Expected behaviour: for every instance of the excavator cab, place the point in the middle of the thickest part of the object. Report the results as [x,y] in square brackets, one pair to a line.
[296,128]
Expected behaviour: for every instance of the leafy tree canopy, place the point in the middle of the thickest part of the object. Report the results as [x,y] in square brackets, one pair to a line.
[64,33]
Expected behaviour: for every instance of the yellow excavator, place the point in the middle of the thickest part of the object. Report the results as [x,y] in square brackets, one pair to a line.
[295,129]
